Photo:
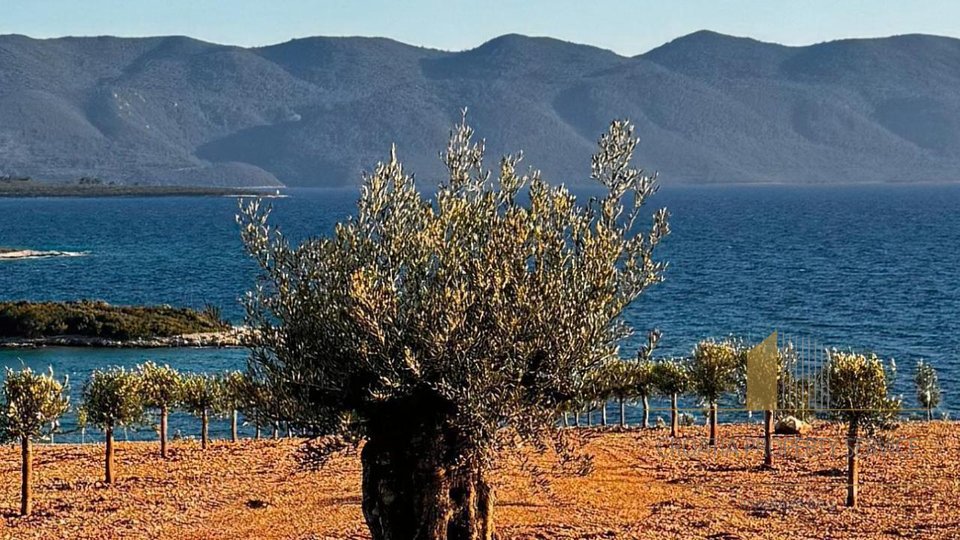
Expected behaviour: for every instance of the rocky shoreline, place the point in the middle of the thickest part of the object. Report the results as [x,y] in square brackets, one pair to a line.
[228,339]
[14,254]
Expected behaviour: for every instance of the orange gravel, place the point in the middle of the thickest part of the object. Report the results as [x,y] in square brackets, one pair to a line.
[643,485]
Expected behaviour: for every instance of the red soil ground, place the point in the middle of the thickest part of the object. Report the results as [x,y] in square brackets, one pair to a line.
[643,485]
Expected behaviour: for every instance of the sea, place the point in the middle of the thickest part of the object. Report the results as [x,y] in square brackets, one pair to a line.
[868,267]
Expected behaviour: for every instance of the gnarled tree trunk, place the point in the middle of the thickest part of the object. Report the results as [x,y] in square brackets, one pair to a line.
[419,482]
[26,477]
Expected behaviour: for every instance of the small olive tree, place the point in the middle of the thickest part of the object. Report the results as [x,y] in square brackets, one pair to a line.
[439,330]
[202,393]
[672,378]
[644,385]
[162,390]
[859,398]
[234,394]
[715,370]
[32,403]
[928,387]
[112,398]
[615,381]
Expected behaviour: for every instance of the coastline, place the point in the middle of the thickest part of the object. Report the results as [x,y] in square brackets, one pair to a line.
[39,189]
[9,254]
[232,338]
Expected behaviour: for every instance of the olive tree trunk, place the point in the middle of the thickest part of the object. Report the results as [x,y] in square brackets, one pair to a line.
[713,423]
[646,412]
[603,413]
[768,438]
[420,479]
[108,473]
[203,429]
[233,426]
[26,476]
[623,412]
[674,416]
[853,465]
[163,432]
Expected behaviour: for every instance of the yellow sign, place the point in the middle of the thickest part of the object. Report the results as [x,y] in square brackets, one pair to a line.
[762,373]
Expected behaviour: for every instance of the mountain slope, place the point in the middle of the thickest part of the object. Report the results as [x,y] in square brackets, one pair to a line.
[318,111]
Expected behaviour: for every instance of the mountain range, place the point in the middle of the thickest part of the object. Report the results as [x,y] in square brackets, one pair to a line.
[709,108]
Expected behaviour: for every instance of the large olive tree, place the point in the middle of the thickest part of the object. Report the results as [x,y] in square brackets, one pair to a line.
[438,330]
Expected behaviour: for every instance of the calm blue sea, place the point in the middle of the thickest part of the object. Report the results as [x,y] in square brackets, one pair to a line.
[866,266]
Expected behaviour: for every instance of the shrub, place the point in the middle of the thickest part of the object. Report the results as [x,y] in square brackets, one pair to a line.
[435,329]
[31,403]
[112,398]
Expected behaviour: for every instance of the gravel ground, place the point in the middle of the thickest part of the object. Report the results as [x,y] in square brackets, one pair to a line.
[642,485]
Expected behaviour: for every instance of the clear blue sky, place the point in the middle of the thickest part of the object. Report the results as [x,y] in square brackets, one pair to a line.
[628,27]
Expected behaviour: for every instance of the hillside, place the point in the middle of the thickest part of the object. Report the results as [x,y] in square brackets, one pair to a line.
[318,111]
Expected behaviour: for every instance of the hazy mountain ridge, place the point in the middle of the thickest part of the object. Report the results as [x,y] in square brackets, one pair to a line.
[317,111]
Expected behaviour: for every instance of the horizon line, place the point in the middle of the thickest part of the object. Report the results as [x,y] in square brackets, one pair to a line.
[481,44]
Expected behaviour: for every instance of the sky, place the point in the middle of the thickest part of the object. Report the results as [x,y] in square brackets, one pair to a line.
[625,26]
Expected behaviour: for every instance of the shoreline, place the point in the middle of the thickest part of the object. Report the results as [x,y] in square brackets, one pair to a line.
[9,254]
[231,339]
[33,189]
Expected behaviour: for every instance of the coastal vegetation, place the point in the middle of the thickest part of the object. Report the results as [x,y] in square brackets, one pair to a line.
[95,319]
